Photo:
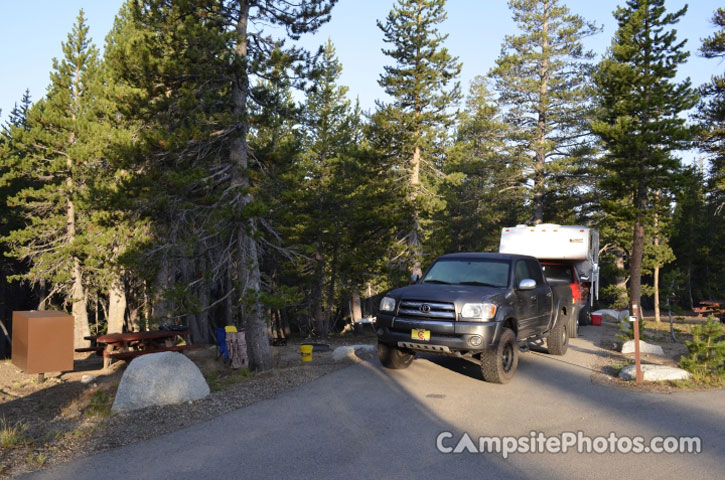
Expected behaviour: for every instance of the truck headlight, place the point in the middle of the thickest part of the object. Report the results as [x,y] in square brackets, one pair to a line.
[387,304]
[478,311]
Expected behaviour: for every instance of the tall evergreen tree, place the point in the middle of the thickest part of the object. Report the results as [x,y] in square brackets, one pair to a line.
[638,118]
[191,63]
[329,138]
[410,132]
[542,79]
[712,109]
[13,295]
[481,189]
[55,148]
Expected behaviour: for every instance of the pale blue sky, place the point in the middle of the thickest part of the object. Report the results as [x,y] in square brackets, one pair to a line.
[32,31]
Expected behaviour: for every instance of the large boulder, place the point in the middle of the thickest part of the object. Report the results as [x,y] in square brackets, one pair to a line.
[163,378]
[644,347]
[352,351]
[654,373]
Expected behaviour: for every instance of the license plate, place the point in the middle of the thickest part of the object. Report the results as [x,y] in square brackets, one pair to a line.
[416,334]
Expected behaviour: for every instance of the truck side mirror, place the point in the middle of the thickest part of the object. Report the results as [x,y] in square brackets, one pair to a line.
[527,284]
[414,278]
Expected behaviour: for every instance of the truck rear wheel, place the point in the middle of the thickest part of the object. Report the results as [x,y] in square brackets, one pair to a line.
[558,340]
[394,357]
[585,315]
[498,364]
[574,324]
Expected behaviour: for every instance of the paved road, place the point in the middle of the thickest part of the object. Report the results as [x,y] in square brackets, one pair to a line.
[368,422]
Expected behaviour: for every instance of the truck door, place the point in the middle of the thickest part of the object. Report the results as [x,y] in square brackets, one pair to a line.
[526,301]
[544,296]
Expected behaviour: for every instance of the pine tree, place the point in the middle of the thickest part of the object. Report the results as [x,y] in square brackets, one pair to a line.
[13,295]
[410,132]
[712,109]
[55,147]
[327,145]
[480,190]
[638,118]
[695,256]
[542,78]
[18,115]
[191,63]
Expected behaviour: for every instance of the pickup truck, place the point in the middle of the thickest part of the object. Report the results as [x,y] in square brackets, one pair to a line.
[482,306]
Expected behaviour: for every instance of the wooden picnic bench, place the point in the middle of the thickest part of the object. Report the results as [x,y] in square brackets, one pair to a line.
[711,307]
[131,354]
[129,345]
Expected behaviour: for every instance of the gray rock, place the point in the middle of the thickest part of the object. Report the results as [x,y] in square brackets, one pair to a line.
[655,373]
[644,347]
[623,315]
[349,351]
[163,378]
[609,315]
[86,379]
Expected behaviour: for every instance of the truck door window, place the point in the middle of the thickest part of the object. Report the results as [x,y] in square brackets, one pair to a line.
[535,271]
[521,272]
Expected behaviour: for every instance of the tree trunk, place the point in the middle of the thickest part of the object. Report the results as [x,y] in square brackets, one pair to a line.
[202,318]
[79,310]
[42,293]
[160,307]
[260,353]
[635,260]
[356,312]
[321,327]
[414,242]
[116,305]
[331,293]
[249,277]
[78,293]
[620,278]
[635,265]
[540,145]
[229,301]
[657,293]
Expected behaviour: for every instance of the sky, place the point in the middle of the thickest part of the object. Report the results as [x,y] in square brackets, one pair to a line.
[32,32]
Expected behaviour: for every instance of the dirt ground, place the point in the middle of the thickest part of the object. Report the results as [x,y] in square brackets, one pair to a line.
[65,417]
[609,365]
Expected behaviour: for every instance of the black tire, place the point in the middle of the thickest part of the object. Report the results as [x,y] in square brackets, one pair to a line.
[498,364]
[394,357]
[585,315]
[558,340]
[574,324]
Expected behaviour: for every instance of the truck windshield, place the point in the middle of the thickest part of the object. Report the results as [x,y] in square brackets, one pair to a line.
[484,272]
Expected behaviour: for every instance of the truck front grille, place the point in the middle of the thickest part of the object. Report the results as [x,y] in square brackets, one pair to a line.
[423,310]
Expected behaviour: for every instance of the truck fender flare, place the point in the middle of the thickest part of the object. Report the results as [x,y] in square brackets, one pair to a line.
[557,313]
[506,316]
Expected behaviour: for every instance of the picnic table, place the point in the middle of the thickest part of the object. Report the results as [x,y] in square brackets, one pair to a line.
[711,307]
[129,345]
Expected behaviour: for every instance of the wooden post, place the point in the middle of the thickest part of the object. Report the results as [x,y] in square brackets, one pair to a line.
[638,366]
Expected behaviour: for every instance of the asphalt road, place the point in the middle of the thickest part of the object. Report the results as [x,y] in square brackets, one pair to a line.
[369,422]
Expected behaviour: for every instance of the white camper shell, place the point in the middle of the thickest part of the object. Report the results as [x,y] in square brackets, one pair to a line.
[574,244]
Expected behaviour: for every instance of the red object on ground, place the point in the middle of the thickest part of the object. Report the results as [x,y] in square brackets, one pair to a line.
[597,319]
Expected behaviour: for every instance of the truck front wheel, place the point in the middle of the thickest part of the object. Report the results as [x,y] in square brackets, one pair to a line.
[498,364]
[394,357]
